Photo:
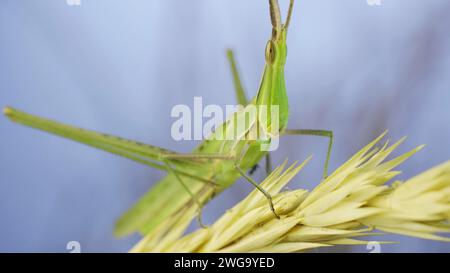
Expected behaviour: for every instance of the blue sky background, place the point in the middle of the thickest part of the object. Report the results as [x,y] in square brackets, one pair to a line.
[120,66]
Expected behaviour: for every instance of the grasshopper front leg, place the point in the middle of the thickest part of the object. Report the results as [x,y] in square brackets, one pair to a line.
[241,98]
[256,185]
[321,133]
[237,168]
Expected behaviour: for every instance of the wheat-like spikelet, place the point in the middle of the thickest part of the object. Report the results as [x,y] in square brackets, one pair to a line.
[350,203]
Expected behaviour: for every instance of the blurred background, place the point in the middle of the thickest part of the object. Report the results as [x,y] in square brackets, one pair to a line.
[120,66]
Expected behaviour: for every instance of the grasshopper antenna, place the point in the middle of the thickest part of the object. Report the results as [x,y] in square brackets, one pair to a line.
[275,17]
[289,15]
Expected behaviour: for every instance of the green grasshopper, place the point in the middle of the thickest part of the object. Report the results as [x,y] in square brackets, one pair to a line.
[214,165]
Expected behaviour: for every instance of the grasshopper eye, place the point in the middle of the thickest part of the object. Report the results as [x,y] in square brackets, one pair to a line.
[270,52]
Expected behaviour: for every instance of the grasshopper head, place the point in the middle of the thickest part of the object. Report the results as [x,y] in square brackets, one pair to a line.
[272,91]
[276,49]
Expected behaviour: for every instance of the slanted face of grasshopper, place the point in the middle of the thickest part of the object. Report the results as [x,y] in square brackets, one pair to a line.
[216,163]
